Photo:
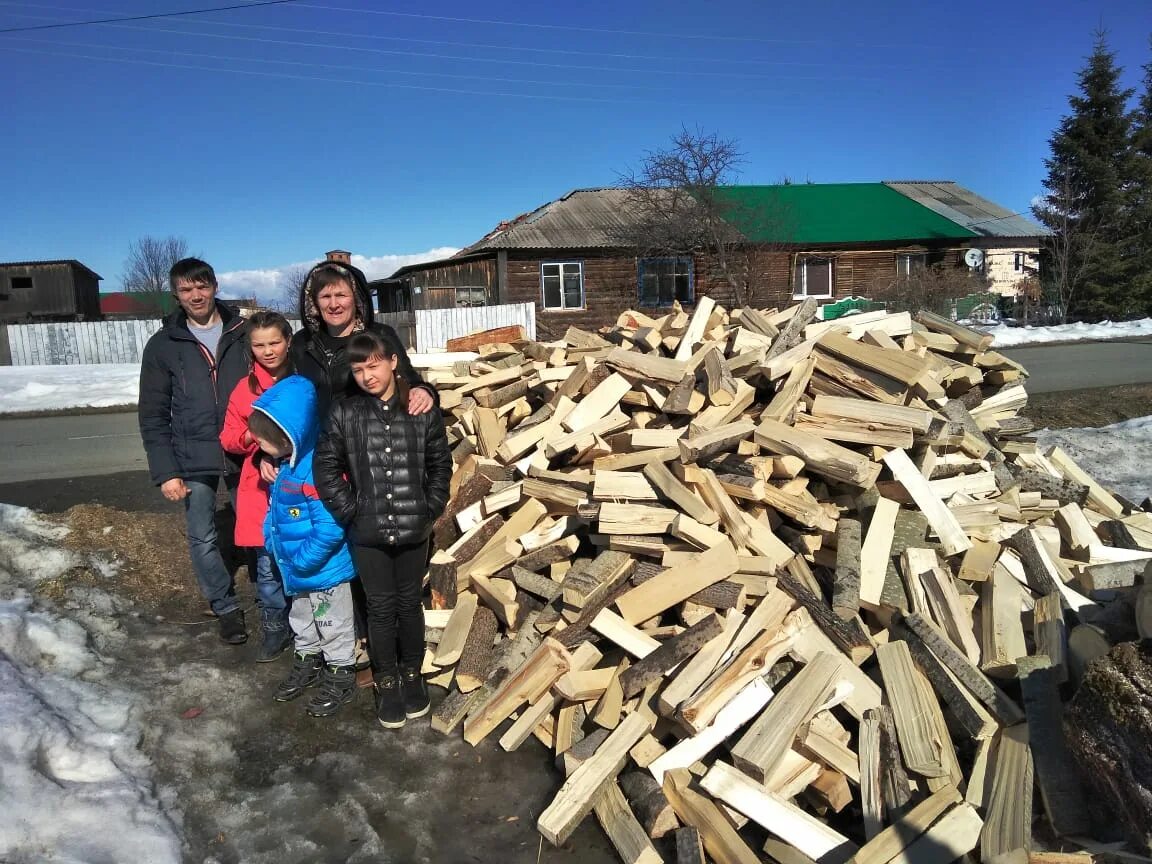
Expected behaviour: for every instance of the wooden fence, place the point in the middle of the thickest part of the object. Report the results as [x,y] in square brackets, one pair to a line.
[76,342]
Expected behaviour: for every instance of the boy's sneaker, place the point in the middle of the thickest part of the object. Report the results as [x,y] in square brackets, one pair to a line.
[275,637]
[415,692]
[389,700]
[232,628]
[304,673]
[337,687]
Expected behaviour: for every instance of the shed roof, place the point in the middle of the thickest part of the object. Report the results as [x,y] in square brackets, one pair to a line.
[964,207]
[71,261]
[584,218]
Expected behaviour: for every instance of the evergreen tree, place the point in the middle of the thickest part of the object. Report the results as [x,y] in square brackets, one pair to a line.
[1140,218]
[1086,201]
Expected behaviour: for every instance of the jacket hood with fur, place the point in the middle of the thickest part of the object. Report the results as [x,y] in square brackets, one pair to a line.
[310,315]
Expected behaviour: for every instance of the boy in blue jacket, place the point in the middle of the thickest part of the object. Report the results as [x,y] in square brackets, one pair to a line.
[310,548]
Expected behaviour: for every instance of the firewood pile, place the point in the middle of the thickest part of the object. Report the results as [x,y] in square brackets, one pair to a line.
[772,588]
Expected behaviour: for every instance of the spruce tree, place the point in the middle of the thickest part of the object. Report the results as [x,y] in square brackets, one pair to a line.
[1085,204]
[1140,215]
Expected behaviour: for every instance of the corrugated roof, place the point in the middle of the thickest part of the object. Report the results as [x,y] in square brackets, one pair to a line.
[816,213]
[584,218]
[965,207]
[72,261]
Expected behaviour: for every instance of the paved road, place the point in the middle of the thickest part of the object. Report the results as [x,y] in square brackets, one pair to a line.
[49,448]
[93,445]
[1085,364]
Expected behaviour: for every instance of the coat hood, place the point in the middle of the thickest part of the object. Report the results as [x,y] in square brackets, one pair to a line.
[291,405]
[310,315]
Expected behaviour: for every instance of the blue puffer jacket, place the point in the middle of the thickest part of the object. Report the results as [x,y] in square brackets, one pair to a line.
[299,532]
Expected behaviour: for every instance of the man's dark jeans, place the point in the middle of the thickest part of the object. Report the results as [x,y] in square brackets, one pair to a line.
[208,564]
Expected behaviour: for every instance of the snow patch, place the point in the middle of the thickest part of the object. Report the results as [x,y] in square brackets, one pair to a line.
[1117,456]
[88,385]
[74,786]
[1007,337]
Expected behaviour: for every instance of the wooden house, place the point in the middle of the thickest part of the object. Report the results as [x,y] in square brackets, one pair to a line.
[37,291]
[826,241]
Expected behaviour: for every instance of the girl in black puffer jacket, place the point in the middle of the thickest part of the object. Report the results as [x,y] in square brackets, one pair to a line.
[384,473]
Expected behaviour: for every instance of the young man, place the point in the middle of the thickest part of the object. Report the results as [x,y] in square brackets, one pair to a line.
[189,368]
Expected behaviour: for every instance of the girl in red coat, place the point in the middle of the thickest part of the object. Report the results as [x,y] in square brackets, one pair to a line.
[269,334]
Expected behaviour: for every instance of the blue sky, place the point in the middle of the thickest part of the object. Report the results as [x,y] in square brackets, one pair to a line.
[266,136]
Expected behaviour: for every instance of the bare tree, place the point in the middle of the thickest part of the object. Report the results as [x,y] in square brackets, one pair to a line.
[1070,249]
[149,260]
[286,295]
[676,207]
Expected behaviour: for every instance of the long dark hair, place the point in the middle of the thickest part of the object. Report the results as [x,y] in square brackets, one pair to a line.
[266,321]
[368,344]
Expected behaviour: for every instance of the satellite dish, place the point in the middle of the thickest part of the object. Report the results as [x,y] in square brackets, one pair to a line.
[974,258]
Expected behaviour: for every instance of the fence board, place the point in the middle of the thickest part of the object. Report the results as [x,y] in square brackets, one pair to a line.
[434,327]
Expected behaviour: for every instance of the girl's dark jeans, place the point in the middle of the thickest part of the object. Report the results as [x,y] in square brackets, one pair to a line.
[392,577]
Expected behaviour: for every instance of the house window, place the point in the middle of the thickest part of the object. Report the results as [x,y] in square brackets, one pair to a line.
[470,295]
[813,278]
[665,280]
[909,263]
[21,283]
[562,284]
[1020,261]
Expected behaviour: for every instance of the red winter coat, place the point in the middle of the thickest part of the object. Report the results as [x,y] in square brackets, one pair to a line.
[252,494]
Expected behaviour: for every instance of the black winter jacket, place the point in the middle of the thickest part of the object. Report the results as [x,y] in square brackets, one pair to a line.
[383,472]
[184,394]
[327,367]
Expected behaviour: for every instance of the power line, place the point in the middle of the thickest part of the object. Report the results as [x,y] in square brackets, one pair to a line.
[285,75]
[144,17]
[497,60]
[614,32]
[489,46]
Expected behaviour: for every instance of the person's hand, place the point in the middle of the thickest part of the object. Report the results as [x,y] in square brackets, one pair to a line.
[246,439]
[420,401]
[268,471]
[174,489]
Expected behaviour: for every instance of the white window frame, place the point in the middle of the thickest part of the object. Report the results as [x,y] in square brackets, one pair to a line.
[904,262]
[800,290]
[563,307]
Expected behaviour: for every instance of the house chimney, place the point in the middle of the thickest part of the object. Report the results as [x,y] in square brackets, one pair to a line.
[339,256]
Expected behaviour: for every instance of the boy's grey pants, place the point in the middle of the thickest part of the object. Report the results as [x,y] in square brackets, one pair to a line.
[322,622]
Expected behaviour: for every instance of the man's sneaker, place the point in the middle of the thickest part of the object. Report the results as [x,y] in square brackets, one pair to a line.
[304,673]
[389,700]
[275,637]
[337,687]
[415,692]
[232,628]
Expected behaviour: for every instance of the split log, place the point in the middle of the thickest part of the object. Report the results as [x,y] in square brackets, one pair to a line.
[442,581]
[652,809]
[671,653]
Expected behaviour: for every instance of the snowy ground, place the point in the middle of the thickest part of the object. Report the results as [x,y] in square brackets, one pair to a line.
[1117,456]
[1009,337]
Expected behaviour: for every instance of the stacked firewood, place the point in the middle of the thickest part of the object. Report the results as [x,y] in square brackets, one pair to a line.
[752,575]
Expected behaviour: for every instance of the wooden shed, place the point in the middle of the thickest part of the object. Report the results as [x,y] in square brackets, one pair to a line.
[32,291]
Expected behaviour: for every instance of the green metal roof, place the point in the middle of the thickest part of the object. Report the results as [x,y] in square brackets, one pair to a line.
[803,213]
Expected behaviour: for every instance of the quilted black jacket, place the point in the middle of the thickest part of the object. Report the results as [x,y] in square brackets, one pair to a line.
[382,472]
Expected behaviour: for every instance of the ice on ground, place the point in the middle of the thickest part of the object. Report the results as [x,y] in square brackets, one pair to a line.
[74,785]
[89,385]
[1117,456]
[1008,337]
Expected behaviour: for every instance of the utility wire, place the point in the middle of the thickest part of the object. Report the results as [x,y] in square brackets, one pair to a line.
[489,46]
[144,17]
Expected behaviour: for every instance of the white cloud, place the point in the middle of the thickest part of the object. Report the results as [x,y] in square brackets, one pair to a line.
[265,284]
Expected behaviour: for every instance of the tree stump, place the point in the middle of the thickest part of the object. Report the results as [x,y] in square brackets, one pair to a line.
[1109,727]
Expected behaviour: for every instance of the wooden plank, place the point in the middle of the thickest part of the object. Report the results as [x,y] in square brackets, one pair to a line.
[952,837]
[1051,634]
[978,561]
[876,552]
[525,685]
[1008,817]
[634,519]
[476,658]
[696,328]
[871,796]
[898,836]
[837,407]
[679,494]
[943,522]
[913,707]
[677,584]
[720,440]
[785,820]
[782,408]
[1002,633]
[1061,787]
[646,366]
[949,611]
[455,635]
[846,589]
[688,751]
[580,791]
[821,456]
[625,833]
[722,843]
[615,629]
